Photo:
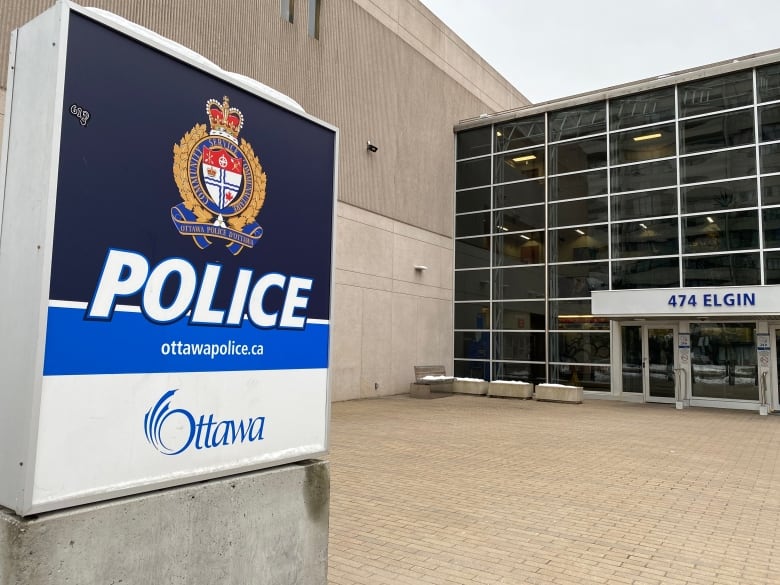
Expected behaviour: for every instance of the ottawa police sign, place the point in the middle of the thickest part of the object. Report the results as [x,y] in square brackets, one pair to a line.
[166,267]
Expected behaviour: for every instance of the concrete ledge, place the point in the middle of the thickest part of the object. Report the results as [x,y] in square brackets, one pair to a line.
[511,389]
[470,386]
[559,393]
[430,390]
[268,526]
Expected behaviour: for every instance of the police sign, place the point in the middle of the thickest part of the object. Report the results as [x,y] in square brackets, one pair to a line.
[167,241]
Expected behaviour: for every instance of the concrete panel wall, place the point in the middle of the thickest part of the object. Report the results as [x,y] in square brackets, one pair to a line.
[388,315]
[264,527]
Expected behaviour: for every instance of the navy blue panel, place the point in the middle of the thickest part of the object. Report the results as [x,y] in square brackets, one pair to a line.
[116,185]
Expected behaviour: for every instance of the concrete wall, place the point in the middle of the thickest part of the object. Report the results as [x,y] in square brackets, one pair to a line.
[390,316]
[264,527]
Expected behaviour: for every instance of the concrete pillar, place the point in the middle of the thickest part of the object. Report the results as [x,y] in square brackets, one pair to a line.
[264,527]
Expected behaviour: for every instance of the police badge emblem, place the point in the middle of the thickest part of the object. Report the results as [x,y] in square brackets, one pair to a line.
[221,182]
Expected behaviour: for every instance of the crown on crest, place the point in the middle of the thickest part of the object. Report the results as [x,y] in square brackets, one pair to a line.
[225,121]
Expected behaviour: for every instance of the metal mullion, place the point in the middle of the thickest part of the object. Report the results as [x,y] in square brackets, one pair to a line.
[680,243]
[547,248]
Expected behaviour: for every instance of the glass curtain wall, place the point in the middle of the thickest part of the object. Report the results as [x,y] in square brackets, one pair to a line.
[678,186]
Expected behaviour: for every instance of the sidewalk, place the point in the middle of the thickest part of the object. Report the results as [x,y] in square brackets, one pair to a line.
[475,490]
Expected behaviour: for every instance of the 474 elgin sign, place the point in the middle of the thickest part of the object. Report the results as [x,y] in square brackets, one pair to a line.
[221,182]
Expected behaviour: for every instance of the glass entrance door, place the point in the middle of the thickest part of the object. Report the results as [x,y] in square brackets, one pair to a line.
[648,358]
[723,361]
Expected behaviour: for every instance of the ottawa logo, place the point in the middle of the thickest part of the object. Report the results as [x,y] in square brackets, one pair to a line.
[220,181]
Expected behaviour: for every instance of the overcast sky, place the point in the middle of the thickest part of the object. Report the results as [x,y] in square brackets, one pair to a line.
[555,48]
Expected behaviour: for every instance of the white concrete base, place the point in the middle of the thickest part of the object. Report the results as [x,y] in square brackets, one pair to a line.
[268,526]
[469,386]
[559,393]
[509,389]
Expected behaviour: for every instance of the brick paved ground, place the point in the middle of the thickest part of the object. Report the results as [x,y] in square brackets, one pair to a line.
[475,490]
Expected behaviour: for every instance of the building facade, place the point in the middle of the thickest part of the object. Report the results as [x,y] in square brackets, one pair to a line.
[627,241]
[385,72]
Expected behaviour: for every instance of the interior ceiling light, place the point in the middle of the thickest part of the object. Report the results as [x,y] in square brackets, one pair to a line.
[647,137]
[498,133]
[709,219]
[524,237]
[524,158]
[643,226]
[579,231]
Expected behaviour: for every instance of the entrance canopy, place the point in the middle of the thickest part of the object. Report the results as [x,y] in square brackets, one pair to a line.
[742,301]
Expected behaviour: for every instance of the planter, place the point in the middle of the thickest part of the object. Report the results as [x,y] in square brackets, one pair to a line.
[559,393]
[470,386]
[511,389]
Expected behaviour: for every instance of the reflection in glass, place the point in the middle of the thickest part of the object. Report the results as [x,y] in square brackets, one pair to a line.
[525,164]
[657,237]
[646,273]
[643,144]
[472,369]
[644,204]
[768,83]
[578,244]
[521,218]
[473,200]
[472,285]
[520,133]
[578,212]
[641,109]
[722,270]
[474,142]
[578,280]
[715,166]
[631,342]
[472,173]
[769,154]
[579,121]
[719,131]
[519,315]
[472,315]
[721,232]
[525,282]
[660,362]
[580,155]
[522,248]
[580,347]
[523,372]
[772,267]
[596,378]
[718,196]
[575,315]
[723,361]
[769,121]
[578,185]
[522,193]
[526,346]
[772,227]
[716,93]
[472,224]
[472,344]
[643,176]
[770,190]
[472,253]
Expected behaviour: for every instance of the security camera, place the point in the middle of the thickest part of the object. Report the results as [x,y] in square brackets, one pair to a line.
[371,147]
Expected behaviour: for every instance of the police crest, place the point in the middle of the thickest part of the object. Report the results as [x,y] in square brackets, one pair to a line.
[221,182]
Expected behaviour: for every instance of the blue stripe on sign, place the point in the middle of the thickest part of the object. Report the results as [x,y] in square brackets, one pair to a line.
[129,344]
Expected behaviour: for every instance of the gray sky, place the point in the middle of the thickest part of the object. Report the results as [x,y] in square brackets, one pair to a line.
[555,48]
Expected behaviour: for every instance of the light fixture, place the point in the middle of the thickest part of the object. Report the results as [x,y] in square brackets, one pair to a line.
[525,158]
[498,133]
[579,231]
[502,228]
[420,267]
[524,237]
[371,147]
[710,220]
[643,226]
[652,136]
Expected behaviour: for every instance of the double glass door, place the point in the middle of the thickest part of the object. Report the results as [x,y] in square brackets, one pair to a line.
[649,358]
